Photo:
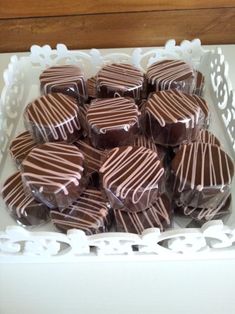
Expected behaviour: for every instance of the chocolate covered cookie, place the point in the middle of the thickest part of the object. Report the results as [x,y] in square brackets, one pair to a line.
[172,118]
[53,117]
[170,74]
[91,87]
[90,213]
[158,215]
[132,177]
[21,205]
[52,172]
[202,215]
[66,79]
[201,175]
[205,109]
[120,80]
[21,146]
[142,140]
[112,122]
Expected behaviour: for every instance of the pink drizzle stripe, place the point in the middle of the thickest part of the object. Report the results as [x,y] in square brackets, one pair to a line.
[56,167]
[144,170]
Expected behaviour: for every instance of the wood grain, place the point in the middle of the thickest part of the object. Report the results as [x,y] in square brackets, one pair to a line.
[32,8]
[215,26]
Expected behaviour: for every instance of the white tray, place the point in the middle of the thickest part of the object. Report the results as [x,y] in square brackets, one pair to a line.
[44,243]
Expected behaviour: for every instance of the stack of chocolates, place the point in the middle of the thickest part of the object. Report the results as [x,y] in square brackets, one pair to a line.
[124,150]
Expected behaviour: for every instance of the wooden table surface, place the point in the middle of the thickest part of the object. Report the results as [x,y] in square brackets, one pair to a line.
[121,23]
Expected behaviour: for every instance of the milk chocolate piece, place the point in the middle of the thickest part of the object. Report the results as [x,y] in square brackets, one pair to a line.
[202,215]
[172,118]
[199,84]
[53,117]
[120,80]
[21,146]
[82,115]
[53,173]
[201,175]
[90,213]
[112,122]
[170,74]
[21,205]
[158,215]
[66,79]
[132,177]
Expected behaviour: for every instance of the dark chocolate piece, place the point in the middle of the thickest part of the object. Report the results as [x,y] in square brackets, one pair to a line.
[53,173]
[21,205]
[132,177]
[202,174]
[199,84]
[21,146]
[112,122]
[170,74]
[53,117]
[158,215]
[120,80]
[202,215]
[66,79]
[90,213]
[172,118]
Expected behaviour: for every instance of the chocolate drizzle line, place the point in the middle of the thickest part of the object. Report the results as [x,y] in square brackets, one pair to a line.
[122,76]
[142,166]
[56,114]
[89,213]
[60,76]
[112,113]
[173,106]
[53,165]
[165,72]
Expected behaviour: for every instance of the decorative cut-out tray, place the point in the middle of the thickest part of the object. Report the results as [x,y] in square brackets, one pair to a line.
[45,243]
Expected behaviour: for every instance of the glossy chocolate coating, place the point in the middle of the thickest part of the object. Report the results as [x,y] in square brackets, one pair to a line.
[120,80]
[21,205]
[206,136]
[205,109]
[172,118]
[53,117]
[158,215]
[112,122]
[66,79]
[91,87]
[170,74]
[21,146]
[53,173]
[201,175]
[202,215]
[132,177]
[90,213]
